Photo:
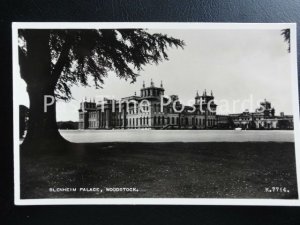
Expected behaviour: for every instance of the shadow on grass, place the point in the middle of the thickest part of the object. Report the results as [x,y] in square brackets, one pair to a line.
[182,170]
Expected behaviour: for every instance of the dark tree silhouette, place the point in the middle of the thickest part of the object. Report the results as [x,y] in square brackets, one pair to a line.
[23,116]
[287,37]
[51,61]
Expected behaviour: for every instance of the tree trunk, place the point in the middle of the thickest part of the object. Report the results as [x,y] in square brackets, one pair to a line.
[35,69]
[42,128]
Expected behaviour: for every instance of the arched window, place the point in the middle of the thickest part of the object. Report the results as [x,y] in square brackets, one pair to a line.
[163,120]
[141,121]
[137,121]
[177,120]
[173,120]
[186,121]
[144,121]
[147,120]
[196,121]
[154,120]
[158,120]
[168,120]
[132,121]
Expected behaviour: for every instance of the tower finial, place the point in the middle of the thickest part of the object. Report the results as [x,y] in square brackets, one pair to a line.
[211,93]
[204,92]
[161,84]
[197,94]
[152,84]
[143,84]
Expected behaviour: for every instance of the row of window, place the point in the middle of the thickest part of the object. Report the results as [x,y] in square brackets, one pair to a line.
[156,121]
[248,118]
[151,92]
[134,121]
[93,124]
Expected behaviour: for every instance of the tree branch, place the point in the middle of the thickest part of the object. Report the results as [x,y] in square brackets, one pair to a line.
[62,60]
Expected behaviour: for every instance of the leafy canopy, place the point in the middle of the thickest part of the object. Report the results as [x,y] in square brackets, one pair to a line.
[77,55]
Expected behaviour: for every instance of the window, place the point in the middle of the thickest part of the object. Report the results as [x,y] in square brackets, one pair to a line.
[173,120]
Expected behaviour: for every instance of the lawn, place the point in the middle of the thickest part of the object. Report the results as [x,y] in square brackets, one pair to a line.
[184,170]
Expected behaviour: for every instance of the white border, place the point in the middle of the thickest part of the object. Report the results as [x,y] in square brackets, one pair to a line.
[153,201]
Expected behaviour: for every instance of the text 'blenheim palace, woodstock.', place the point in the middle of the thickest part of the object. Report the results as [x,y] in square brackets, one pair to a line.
[109,114]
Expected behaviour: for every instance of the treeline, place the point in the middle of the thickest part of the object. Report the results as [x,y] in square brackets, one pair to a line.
[67,125]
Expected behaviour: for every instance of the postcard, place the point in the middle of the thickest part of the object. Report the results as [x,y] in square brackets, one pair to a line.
[155,113]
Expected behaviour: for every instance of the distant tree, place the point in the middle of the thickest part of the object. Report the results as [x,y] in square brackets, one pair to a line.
[287,37]
[231,124]
[284,124]
[67,125]
[51,61]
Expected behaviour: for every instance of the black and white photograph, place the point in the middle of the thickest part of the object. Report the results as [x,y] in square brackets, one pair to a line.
[155,113]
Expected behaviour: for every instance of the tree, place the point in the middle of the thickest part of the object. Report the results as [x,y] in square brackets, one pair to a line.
[51,61]
[287,37]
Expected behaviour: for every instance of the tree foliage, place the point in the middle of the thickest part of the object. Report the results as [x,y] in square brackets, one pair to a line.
[77,55]
[287,37]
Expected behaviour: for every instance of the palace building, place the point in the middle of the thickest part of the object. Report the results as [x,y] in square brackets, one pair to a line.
[152,110]
[263,118]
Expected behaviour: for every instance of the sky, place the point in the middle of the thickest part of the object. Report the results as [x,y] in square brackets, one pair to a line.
[239,66]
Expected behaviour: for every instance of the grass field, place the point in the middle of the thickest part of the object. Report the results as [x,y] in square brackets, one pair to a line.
[197,170]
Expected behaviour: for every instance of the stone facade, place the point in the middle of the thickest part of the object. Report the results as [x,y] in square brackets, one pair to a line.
[146,112]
